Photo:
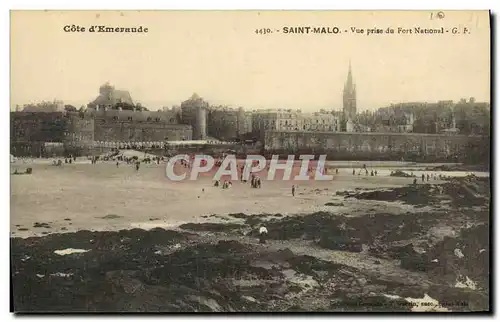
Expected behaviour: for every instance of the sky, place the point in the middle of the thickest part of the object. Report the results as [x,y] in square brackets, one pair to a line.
[219,56]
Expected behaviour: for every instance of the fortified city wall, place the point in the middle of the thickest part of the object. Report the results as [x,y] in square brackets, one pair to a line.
[32,131]
[137,126]
[379,146]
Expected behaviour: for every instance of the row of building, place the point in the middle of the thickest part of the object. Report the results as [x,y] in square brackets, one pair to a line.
[114,117]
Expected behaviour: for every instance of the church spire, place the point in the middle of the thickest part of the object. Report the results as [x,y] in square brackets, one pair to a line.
[349,96]
[349,86]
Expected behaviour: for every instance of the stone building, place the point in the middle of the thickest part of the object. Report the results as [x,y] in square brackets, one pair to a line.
[109,97]
[117,119]
[194,113]
[45,106]
[320,121]
[247,123]
[80,129]
[30,131]
[295,120]
[226,123]
[137,126]
[263,120]
[111,118]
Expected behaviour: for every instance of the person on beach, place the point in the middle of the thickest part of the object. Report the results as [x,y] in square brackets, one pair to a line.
[293,190]
[353,172]
[117,163]
[262,235]
[137,165]
[336,171]
[375,172]
[423,177]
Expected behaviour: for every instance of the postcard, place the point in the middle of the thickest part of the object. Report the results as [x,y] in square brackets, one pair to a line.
[250,161]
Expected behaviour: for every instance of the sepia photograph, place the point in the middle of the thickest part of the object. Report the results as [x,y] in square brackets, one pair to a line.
[250,161]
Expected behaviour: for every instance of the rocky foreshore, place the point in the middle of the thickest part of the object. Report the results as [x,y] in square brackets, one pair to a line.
[436,260]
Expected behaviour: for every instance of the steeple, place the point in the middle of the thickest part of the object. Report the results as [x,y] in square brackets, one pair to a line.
[349,96]
[349,86]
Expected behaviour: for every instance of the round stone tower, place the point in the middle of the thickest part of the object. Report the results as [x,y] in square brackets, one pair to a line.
[194,113]
[241,126]
[200,129]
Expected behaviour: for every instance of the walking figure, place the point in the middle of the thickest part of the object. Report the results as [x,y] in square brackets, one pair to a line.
[262,235]
[293,190]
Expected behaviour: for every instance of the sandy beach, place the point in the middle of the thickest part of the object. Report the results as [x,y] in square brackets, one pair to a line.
[86,194]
